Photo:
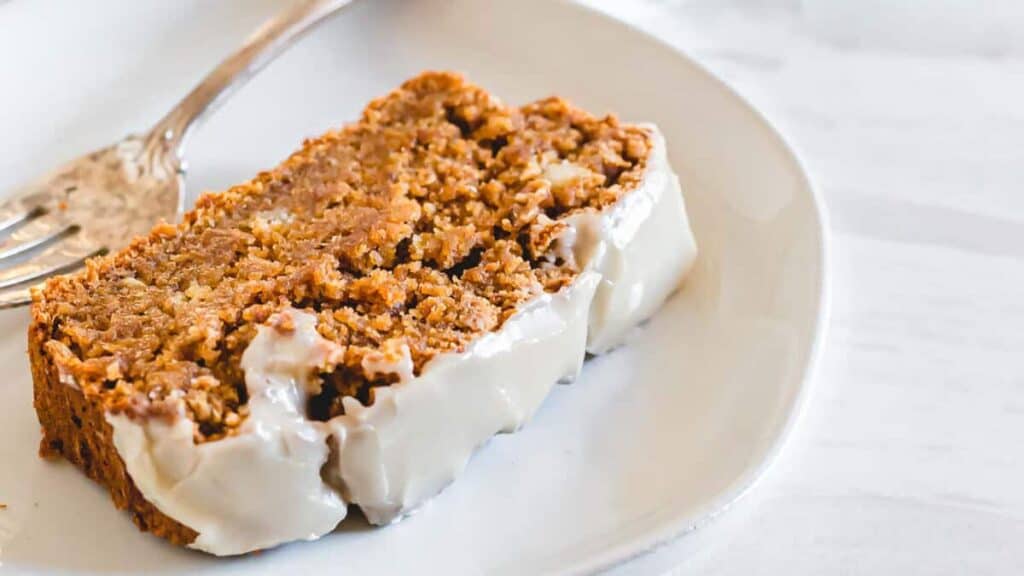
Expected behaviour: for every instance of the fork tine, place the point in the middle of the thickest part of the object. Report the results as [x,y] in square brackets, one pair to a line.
[14,296]
[37,232]
[59,257]
[16,211]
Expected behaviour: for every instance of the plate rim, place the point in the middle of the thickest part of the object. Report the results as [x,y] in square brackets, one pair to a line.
[680,523]
[685,524]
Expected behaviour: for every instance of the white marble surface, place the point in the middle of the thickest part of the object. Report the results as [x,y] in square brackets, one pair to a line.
[909,115]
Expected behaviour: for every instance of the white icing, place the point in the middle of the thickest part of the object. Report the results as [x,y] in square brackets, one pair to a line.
[260,487]
[383,362]
[564,245]
[418,435]
[641,247]
[276,480]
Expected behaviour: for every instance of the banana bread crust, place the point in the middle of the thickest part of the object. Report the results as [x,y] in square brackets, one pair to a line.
[74,427]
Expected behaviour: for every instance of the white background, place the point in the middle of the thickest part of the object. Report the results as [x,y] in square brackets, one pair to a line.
[909,114]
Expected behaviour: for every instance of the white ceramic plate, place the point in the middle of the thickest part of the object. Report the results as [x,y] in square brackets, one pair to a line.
[652,440]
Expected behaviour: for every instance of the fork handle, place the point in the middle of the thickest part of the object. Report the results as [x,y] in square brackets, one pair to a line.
[265,44]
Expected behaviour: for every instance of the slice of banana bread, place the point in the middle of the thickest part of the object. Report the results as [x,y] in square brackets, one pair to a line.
[349,326]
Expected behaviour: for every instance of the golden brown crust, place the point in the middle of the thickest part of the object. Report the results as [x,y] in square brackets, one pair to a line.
[74,427]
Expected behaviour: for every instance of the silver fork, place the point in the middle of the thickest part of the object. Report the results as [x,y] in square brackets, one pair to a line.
[99,202]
